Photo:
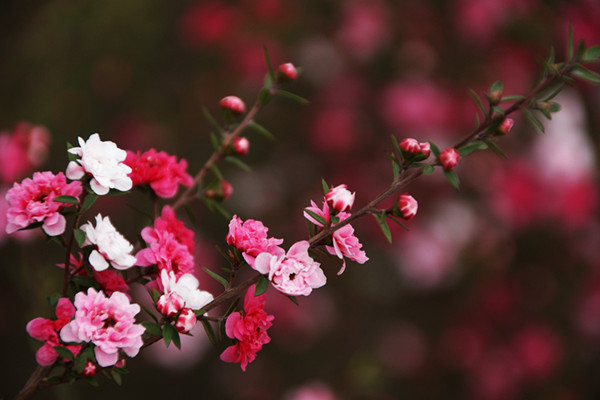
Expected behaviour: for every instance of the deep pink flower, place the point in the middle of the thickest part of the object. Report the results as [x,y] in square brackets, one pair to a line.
[449,158]
[159,170]
[250,237]
[249,329]
[22,150]
[169,222]
[108,323]
[340,198]
[345,244]
[294,273]
[89,370]
[165,251]
[32,201]
[47,330]
[408,206]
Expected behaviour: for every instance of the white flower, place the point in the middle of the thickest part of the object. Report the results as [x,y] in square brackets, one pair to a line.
[103,161]
[110,245]
[186,287]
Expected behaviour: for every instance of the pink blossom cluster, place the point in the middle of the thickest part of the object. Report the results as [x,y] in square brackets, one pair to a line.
[170,245]
[159,170]
[47,330]
[250,237]
[108,323]
[31,201]
[21,150]
[249,329]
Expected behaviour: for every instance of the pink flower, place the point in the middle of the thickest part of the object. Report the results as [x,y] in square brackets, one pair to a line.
[159,170]
[250,237]
[408,206]
[340,198]
[32,201]
[294,273]
[233,104]
[323,213]
[449,158]
[249,329]
[182,292]
[345,244]
[21,150]
[108,323]
[169,222]
[186,321]
[165,251]
[46,330]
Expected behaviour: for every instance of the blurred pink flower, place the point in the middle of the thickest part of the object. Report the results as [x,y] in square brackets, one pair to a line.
[47,330]
[250,237]
[294,273]
[22,150]
[310,391]
[158,169]
[108,323]
[249,329]
[364,28]
[32,201]
[208,23]
[169,222]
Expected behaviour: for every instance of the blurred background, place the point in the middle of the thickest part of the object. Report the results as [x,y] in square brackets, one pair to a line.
[493,293]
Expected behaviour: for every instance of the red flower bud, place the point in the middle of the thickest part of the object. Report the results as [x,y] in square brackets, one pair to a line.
[241,145]
[233,104]
[506,126]
[226,188]
[449,158]
[89,370]
[287,72]
[413,150]
[408,206]
[186,321]
[410,145]
[340,198]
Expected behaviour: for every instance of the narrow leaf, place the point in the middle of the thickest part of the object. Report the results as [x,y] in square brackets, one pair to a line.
[533,120]
[478,101]
[152,328]
[66,199]
[264,96]
[512,98]
[495,148]
[209,331]
[92,381]
[452,178]
[169,332]
[570,43]
[471,147]
[261,286]
[398,222]
[428,169]
[496,86]
[79,363]
[268,61]
[293,299]
[213,122]
[395,169]
[151,314]
[261,130]
[238,162]
[434,149]
[64,352]
[88,202]
[316,217]
[116,377]
[292,96]
[592,53]
[385,229]
[214,141]
[79,236]
[582,72]
[216,277]
[325,186]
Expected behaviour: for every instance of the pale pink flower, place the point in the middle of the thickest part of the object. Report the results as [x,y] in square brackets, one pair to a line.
[294,273]
[108,323]
[103,160]
[340,198]
[345,244]
[110,247]
[408,206]
[449,158]
[249,329]
[186,287]
[250,237]
[31,201]
[186,321]
[21,150]
[47,330]
[159,170]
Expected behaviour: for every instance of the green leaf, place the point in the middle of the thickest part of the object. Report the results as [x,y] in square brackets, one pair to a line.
[533,120]
[268,61]
[64,352]
[471,147]
[66,199]
[292,96]
[79,363]
[478,101]
[570,43]
[316,217]
[325,186]
[152,328]
[216,277]
[238,162]
[385,229]
[261,130]
[293,299]
[434,149]
[79,236]
[214,141]
[591,53]
[92,381]
[580,49]
[494,147]
[395,169]
[512,98]
[261,286]
[169,332]
[151,314]
[582,72]
[116,376]
[264,96]
[498,110]
[89,200]
[559,87]
[213,122]
[398,222]
[496,86]
[155,295]
[209,330]
[428,169]
[217,172]
[86,281]
[452,178]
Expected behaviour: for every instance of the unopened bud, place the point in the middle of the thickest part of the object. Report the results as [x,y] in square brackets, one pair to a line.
[340,198]
[169,304]
[506,126]
[233,104]
[89,370]
[186,321]
[407,205]
[287,72]
[449,158]
[496,96]
[413,150]
[241,145]
[219,191]
[227,189]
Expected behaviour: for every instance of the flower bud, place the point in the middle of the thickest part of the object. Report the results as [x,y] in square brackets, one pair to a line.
[169,304]
[233,104]
[219,191]
[89,370]
[408,206]
[425,149]
[411,146]
[449,158]
[287,72]
[339,198]
[186,321]
[413,150]
[120,363]
[241,146]
[506,126]
[226,188]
